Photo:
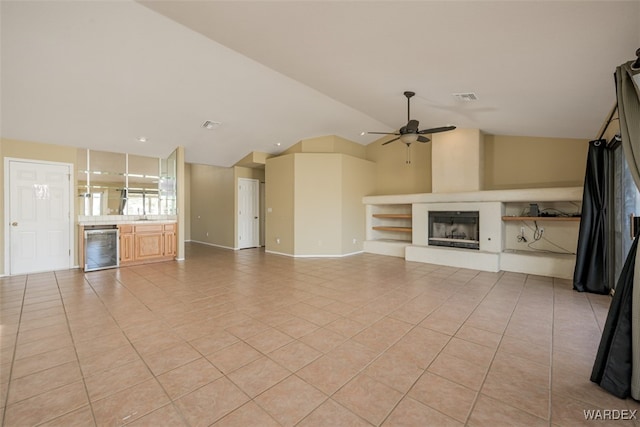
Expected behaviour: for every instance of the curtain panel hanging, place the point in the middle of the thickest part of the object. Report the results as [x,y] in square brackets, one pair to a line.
[591,274]
[628,94]
[617,364]
[612,368]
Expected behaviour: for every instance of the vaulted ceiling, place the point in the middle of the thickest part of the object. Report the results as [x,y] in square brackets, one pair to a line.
[102,74]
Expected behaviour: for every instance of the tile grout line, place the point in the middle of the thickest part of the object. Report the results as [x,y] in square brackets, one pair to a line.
[75,351]
[15,349]
[330,397]
[155,378]
[443,347]
[552,339]
[486,374]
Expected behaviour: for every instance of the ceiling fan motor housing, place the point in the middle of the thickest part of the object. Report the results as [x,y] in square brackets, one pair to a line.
[411,128]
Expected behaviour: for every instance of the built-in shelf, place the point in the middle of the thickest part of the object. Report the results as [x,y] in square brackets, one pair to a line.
[398,225]
[387,228]
[541,218]
[390,227]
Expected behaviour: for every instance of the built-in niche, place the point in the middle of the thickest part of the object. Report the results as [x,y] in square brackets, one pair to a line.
[125,184]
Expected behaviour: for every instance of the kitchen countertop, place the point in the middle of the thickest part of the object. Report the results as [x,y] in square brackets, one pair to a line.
[127,222]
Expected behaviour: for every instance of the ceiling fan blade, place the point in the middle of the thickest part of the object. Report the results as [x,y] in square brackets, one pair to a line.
[412,126]
[391,140]
[436,130]
[383,133]
[423,138]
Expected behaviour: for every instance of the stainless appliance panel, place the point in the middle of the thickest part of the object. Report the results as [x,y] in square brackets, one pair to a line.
[101,249]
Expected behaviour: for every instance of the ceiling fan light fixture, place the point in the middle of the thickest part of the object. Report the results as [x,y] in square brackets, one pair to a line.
[409,138]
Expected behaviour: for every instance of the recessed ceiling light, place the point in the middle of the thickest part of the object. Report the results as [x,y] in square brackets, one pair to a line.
[277,144]
[210,124]
[142,139]
[363,133]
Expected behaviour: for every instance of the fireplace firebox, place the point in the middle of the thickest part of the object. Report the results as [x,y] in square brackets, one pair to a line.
[456,229]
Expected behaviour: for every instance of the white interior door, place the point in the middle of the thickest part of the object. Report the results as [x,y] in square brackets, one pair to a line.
[39,217]
[248,213]
[262,213]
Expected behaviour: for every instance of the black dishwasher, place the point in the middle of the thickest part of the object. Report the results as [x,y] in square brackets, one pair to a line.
[101,247]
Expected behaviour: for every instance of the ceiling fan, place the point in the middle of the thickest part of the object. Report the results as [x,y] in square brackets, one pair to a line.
[409,133]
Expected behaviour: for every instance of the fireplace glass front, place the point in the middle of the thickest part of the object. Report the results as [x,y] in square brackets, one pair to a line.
[457,229]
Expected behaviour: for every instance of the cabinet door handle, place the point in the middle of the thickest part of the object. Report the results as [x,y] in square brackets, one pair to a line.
[14,224]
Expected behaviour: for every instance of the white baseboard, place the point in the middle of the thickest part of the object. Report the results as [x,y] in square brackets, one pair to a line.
[314,256]
[386,247]
[214,245]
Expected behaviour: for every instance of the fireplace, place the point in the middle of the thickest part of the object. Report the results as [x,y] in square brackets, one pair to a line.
[456,229]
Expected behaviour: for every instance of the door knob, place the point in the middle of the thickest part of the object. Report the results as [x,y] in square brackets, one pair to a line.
[14,223]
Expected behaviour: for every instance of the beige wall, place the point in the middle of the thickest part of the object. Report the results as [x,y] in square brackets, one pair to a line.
[181,202]
[321,195]
[357,181]
[213,197]
[34,151]
[213,205]
[457,161]
[393,175]
[318,205]
[328,144]
[187,202]
[279,198]
[509,162]
[529,162]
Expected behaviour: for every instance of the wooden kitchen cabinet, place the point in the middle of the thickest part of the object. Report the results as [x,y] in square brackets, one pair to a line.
[149,241]
[170,240]
[142,243]
[126,244]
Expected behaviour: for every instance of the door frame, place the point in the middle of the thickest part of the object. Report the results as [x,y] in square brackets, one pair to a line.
[7,209]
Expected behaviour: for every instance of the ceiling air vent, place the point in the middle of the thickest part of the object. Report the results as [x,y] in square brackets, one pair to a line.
[468,96]
[209,124]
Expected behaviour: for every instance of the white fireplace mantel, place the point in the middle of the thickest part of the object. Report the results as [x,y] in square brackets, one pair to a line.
[532,195]
[492,256]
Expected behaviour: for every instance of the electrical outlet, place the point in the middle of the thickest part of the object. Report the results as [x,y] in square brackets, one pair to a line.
[278,240]
[355,240]
[522,231]
[207,234]
[541,230]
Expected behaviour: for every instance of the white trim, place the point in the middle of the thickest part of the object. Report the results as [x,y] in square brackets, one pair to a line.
[213,244]
[519,195]
[278,253]
[314,256]
[7,211]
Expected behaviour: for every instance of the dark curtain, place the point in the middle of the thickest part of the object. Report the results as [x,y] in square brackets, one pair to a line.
[590,274]
[613,366]
[617,365]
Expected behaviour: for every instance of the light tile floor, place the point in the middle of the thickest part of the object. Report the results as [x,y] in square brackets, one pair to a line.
[251,339]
